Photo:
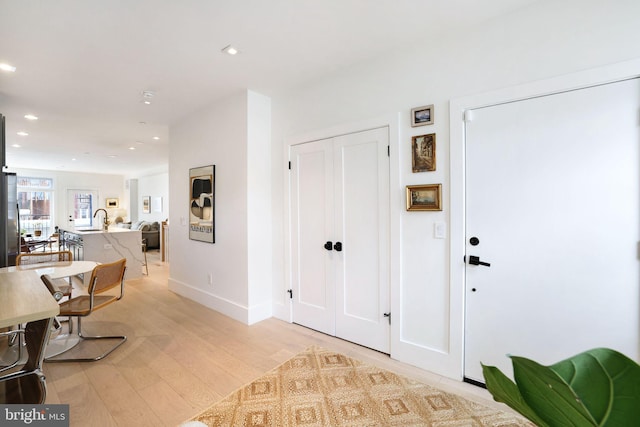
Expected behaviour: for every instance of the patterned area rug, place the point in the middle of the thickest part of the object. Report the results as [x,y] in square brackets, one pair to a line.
[319,387]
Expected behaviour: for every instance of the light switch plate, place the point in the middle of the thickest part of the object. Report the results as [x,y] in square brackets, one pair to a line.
[440,230]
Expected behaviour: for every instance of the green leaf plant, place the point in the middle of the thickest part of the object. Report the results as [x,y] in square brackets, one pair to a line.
[599,387]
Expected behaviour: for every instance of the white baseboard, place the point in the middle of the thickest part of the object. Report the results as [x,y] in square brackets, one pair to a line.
[229,308]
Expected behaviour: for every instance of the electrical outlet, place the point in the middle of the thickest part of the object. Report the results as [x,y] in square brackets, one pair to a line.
[210,278]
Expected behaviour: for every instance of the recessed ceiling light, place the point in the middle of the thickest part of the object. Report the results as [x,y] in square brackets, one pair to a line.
[132,148]
[230,50]
[73,160]
[16,145]
[7,67]
[156,138]
[30,117]
[147,102]
[22,133]
[112,156]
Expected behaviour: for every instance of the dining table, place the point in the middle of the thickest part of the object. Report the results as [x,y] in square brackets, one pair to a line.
[24,297]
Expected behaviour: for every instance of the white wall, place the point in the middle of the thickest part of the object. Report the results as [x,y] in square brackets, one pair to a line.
[154,186]
[107,186]
[233,135]
[545,40]
[259,205]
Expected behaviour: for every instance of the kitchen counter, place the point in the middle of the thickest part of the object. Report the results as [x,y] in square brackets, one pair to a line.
[92,244]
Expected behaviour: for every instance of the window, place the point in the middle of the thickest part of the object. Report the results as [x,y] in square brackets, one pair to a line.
[35,196]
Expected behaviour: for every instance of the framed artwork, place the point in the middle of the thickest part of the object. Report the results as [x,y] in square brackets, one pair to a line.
[156,204]
[426,197]
[421,116]
[112,203]
[202,203]
[146,204]
[423,153]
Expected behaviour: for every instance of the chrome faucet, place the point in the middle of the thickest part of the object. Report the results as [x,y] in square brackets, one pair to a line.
[105,225]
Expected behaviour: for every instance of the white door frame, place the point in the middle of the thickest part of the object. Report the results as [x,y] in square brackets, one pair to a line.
[396,194]
[457,108]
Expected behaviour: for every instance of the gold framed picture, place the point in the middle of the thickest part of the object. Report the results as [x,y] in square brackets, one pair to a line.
[112,203]
[423,153]
[426,197]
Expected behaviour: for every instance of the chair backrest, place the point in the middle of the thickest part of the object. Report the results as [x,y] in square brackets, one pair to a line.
[40,257]
[55,291]
[107,276]
[28,385]
[36,337]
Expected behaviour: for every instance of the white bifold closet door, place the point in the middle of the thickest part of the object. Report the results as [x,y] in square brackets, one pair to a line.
[340,236]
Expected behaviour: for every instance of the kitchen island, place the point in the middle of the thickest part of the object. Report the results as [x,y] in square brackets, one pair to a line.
[102,246]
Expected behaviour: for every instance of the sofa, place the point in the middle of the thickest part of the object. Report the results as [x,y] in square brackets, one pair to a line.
[150,232]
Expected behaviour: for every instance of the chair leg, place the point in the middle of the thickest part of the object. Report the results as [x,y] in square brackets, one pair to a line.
[144,251]
[121,338]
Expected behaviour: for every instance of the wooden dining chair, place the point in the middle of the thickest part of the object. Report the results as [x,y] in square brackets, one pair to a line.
[30,258]
[104,277]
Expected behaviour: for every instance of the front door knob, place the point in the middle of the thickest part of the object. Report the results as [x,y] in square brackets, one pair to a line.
[475,260]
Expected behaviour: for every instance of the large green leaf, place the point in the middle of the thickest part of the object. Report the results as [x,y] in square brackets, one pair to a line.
[504,390]
[599,387]
[607,382]
[549,395]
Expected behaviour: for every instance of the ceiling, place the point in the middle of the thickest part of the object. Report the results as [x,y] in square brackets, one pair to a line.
[83,65]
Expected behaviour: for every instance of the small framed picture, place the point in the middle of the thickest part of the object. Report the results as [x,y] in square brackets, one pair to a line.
[112,203]
[424,197]
[146,204]
[423,153]
[421,116]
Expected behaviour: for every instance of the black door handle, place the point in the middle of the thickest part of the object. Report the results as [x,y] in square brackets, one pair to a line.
[475,260]
[328,246]
[338,246]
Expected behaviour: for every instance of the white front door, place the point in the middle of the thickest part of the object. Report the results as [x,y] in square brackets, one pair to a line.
[340,236]
[81,205]
[552,204]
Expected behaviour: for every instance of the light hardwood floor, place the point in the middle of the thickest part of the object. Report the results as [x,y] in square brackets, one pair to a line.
[181,357]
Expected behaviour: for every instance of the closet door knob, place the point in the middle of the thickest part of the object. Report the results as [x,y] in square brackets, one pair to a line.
[328,246]
[338,246]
